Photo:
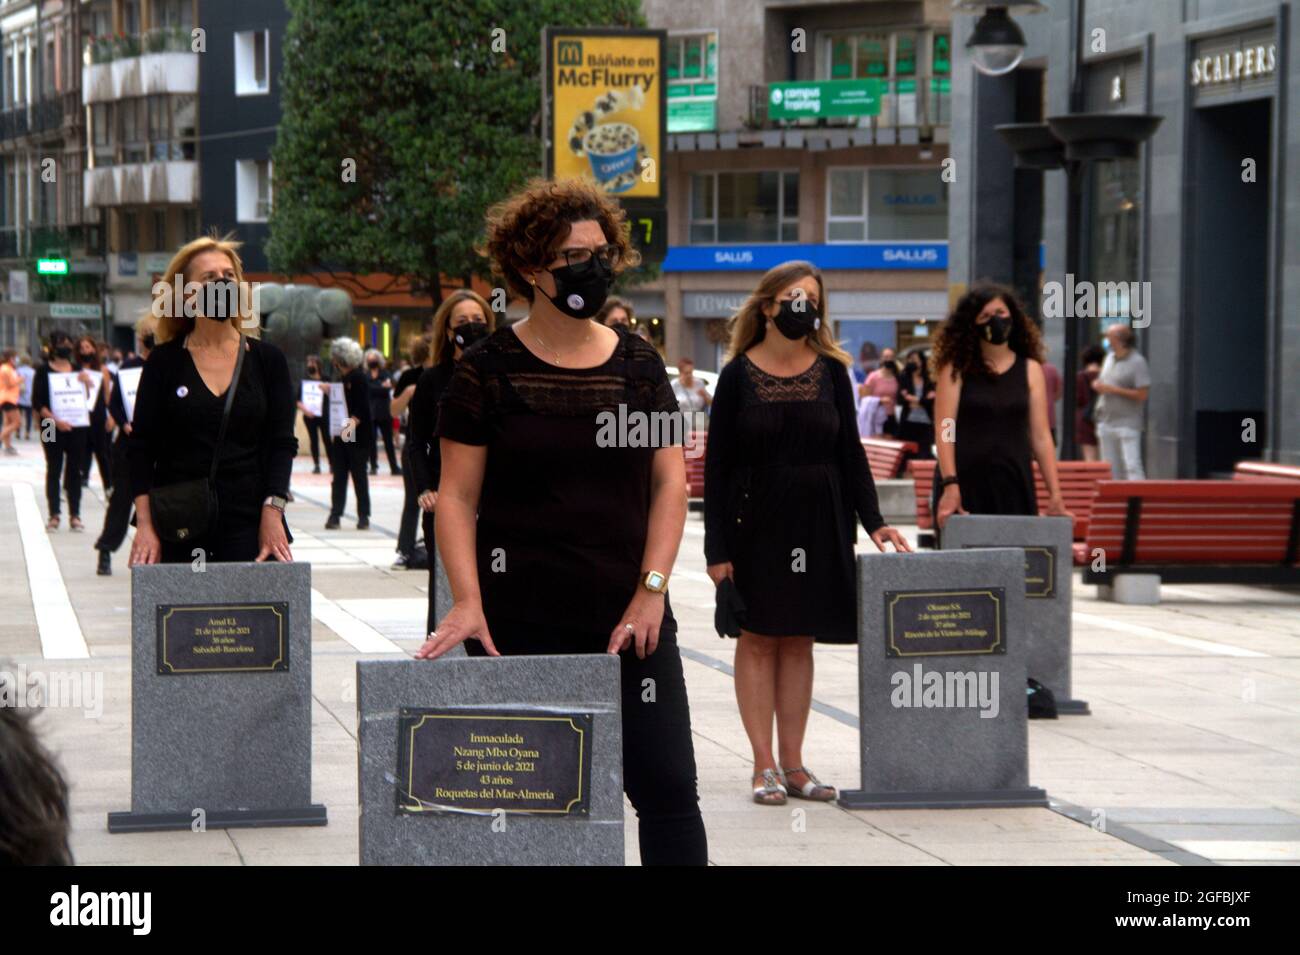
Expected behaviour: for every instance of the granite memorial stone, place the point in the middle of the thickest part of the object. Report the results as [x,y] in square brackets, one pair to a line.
[1049,562]
[220,698]
[941,666]
[502,761]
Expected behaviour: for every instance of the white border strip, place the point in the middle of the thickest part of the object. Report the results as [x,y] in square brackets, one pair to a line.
[363,637]
[1138,630]
[56,621]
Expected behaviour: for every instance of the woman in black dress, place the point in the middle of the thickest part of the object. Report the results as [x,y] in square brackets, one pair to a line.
[916,398]
[403,391]
[317,425]
[179,406]
[785,481]
[991,410]
[590,527]
[461,320]
[380,382]
[348,451]
[97,437]
[64,445]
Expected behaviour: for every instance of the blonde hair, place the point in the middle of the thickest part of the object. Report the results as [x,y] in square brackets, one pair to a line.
[443,350]
[749,325]
[175,326]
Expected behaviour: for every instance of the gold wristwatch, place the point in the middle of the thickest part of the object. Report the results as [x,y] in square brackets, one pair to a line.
[655,582]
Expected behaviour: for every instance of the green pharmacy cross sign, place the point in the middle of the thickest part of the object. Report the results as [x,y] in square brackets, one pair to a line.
[824,98]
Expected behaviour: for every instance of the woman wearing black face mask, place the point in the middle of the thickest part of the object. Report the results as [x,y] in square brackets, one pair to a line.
[64,444]
[179,450]
[462,319]
[916,396]
[97,438]
[990,410]
[380,384]
[785,481]
[587,521]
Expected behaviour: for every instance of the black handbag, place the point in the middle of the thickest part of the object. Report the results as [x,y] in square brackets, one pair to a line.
[185,510]
[729,616]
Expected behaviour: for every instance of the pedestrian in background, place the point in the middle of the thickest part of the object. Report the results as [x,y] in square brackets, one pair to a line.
[118,514]
[786,481]
[868,361]
[1052,378]
[214,421]
[462,319]
[97,438]
[64,444]
[403,392]
[692,397]
[616,311]
[11,387]
[28,374]
[1122,386]
[349,450]
[317,425]
[380,388]
[1085,402]
[916,398]
[990,410]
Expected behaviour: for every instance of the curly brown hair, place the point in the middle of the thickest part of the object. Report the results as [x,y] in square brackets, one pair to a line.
[524,230]
[957,345]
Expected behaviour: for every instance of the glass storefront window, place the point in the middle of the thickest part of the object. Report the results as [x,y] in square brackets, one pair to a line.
[906,205]
[741,207]
[1114,234]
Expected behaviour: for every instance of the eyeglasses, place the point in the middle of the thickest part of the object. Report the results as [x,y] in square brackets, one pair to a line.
[580,260]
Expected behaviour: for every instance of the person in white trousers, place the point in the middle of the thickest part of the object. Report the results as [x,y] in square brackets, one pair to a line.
[1123,387]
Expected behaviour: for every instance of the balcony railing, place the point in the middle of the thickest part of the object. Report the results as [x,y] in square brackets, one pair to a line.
[921,103]
[106,49]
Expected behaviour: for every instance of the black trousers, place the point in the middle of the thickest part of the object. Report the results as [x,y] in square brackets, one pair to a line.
[118,515]
[65,454]
[659,774]
[317,432]
[27,420]
[348,458]
[233,540]
[384,425]
[410,508]
[97,449]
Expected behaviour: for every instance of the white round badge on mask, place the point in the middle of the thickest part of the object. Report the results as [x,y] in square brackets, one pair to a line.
[576,301]
[182,391]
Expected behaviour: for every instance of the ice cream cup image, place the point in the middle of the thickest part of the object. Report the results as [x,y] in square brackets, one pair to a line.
[612,149]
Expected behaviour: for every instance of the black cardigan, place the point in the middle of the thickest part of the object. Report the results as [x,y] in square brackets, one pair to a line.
[185,453]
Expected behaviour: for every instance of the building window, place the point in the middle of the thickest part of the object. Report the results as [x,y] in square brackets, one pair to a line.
[886,205]
[128,239]
[190,224]
[899,59]
[252,62]
[692,86]
[741,207]
[253,190]
[160,229]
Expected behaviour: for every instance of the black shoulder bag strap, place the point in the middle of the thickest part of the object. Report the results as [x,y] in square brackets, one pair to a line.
[225,413]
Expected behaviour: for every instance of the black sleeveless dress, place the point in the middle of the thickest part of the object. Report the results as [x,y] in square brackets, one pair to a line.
[994,454]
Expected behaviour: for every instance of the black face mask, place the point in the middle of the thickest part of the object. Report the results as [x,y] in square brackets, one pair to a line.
[469,333]
[63,351]
[373,364]
[220,300]
[998,329]
[581,294]
[87,359]
[794,323]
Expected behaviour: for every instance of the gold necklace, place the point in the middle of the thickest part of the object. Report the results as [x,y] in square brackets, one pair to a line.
[541,341]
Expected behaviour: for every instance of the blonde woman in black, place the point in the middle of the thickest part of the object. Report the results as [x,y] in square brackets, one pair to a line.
[786,480]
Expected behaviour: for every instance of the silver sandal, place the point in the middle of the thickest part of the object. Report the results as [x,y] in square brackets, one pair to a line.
[772,792]
[814,790]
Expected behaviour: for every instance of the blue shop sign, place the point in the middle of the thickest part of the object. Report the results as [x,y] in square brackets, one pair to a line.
[847,255]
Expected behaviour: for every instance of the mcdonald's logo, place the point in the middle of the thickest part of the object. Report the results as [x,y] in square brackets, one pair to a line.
[569,52]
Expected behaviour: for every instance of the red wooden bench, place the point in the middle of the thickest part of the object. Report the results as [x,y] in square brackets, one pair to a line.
[695,465]
[1264,471]
[1197,531]
[885,456]
[1079,480]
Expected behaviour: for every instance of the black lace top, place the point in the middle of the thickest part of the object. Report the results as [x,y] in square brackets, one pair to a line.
[565,502]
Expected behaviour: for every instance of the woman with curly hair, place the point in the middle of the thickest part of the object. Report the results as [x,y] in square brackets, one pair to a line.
[590,527]
[990,410]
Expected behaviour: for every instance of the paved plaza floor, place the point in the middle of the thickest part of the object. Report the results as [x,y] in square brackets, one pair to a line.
[1191,754]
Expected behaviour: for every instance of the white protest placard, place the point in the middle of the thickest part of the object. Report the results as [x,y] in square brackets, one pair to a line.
[313,397]
[92,389]
[128,379]
[338,409]
[68,399]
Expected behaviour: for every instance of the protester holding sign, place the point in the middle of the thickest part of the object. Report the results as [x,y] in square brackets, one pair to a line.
[97,440]
[312,405]
[350,437]
[212,442]
[59,397]
[121,410]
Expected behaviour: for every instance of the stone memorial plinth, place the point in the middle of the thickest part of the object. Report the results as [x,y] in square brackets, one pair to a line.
[941,666]
[220,698]
[1049,562]
[491,761]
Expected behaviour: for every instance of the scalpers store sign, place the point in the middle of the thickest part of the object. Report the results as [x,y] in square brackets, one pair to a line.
[1225,65]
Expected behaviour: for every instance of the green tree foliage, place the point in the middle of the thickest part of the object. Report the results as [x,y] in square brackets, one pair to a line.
[437,105]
